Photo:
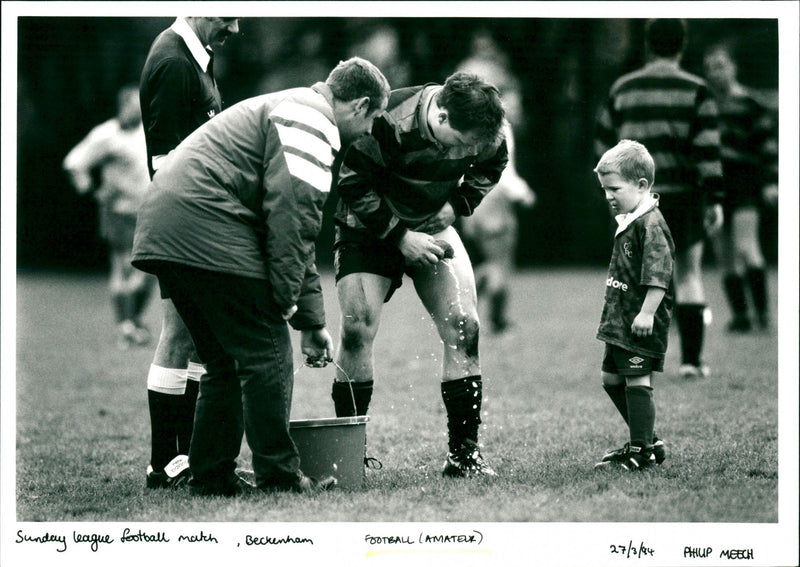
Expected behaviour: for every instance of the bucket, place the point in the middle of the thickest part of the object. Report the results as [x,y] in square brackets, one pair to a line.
[332,447]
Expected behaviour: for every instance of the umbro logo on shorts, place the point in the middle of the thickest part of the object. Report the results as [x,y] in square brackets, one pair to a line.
[636,360]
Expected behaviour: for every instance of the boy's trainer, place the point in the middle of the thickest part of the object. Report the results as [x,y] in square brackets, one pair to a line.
[630,458]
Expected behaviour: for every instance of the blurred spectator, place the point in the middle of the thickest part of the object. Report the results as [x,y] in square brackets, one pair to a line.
[491,235]
[673,113]
[111,164]
[748,134]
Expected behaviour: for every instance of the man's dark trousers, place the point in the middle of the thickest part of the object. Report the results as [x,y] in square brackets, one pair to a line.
[241,337]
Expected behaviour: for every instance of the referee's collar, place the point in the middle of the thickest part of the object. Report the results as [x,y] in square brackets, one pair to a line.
[197,49]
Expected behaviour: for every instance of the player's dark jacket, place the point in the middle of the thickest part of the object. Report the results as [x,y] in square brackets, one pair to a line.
[643,256]
[749,145]
[176,94]
[674,115]
[243,195]
[400,176]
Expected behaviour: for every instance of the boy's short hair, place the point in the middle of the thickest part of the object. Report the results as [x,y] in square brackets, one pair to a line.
[472,104]
[630,160]
[356,78]
[666,37]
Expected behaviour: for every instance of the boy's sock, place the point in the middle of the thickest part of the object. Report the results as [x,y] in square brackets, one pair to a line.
[618,396]
[641,414]
[462,401]
[165,389]
[343,398]
[692,330]
[757,280]
[734,291]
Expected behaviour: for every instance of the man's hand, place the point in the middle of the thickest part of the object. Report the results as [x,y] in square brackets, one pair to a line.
[713,219]
[317,347]
[440,221]
[420,249]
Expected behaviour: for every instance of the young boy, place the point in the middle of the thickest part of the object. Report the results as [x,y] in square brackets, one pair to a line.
[638,302]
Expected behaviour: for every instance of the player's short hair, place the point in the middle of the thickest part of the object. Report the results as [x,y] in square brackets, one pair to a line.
[472,104]
[356,78]
[630,160]
[666,37]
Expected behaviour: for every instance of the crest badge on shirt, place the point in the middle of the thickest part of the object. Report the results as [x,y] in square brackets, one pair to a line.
[627,247]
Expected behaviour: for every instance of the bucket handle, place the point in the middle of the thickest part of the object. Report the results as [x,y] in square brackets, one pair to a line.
[322,362]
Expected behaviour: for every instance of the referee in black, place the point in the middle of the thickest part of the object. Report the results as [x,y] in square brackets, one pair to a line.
[178,93]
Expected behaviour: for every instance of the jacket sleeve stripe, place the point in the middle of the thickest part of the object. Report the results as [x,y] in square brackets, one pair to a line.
[306,142]
[308,172]
[294,114]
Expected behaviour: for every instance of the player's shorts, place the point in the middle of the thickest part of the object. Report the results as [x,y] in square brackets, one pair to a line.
[117,229]
[371,257]
[623,362]
[742,188]
[685,215]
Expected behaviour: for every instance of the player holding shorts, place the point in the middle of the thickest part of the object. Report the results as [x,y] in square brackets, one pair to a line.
[432,156]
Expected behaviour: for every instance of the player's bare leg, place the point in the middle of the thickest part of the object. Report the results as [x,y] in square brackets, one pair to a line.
[172,384]
[361,297]
[745,227]
[447,291]
[690,309]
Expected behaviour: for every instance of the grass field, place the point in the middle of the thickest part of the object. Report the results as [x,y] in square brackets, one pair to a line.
[83,429]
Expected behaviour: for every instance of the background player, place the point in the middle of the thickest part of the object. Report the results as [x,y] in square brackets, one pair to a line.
[673,114]
[110,163]
[178,94]
[490,235]
[638,301]
[748,136]
[401,190]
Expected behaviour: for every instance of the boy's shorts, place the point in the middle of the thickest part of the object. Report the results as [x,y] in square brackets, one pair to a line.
[622,362]
[372,257]
[685,216]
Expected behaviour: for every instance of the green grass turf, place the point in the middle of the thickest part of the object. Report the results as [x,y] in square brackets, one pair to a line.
[83,428]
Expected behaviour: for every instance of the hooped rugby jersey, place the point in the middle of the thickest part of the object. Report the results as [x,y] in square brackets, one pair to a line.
[243,194]
[643,256]
[673,114]
[400,176]
[748,132]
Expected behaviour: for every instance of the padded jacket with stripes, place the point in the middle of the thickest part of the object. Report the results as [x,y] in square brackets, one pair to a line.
[243,194]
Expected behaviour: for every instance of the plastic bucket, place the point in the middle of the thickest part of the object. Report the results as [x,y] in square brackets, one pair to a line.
[332,447]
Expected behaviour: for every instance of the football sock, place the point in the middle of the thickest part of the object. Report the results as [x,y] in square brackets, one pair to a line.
[184,421]
[343,398]
[165,389]
[140,298]
[462,401]
[641,414]
[499,303]
[692,330]
[734,291]
[123,310]
[618,396]
[757,280]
